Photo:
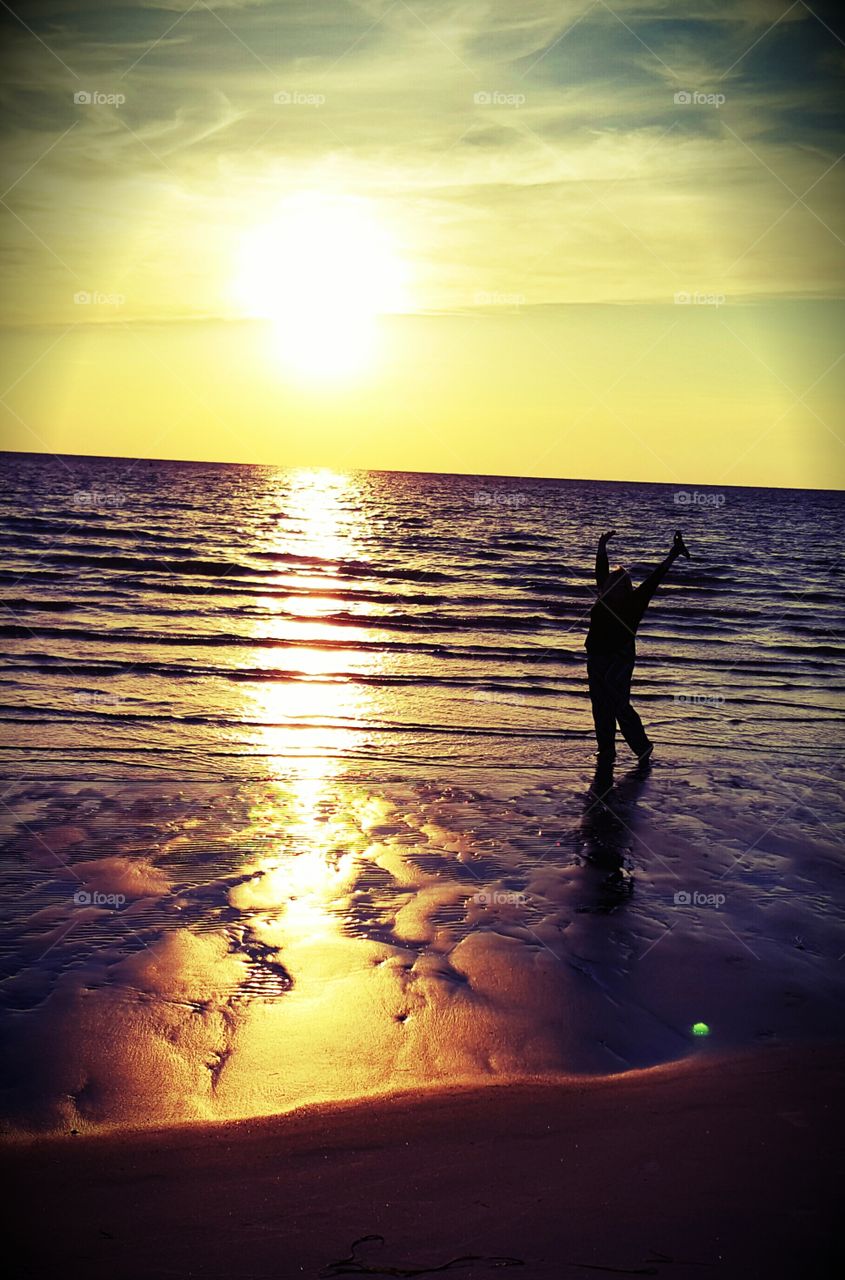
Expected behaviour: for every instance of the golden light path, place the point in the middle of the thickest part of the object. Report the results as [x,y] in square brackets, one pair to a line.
[302,885]
[300,717]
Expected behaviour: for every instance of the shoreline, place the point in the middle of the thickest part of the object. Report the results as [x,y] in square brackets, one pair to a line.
[716,1162]
[700,1058]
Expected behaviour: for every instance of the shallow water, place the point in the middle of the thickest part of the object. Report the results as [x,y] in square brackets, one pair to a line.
[296,768]
[176,618]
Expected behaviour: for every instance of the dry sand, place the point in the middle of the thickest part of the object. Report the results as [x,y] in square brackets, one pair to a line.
[710,1167]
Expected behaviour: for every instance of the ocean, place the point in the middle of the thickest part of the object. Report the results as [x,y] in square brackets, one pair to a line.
[202,620]
[295,769]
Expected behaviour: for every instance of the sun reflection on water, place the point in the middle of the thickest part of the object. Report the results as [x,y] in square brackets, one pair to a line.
[307,723]
[319,508]
[316,711]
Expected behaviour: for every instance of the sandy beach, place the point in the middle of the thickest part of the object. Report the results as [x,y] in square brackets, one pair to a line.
[322,955]
[716,1168]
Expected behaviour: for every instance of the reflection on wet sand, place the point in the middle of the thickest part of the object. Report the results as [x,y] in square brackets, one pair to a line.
[316,936]
[608,835]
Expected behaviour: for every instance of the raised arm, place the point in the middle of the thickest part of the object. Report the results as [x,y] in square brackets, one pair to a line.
[602,566]
[647,588]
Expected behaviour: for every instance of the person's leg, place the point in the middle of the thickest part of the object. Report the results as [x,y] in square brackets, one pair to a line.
[602,701]
[630,724]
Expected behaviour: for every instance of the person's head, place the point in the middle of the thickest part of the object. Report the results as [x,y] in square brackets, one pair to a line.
[617,588]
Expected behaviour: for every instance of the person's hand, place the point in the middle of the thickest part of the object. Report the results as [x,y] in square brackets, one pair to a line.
[605,538]
[679,546]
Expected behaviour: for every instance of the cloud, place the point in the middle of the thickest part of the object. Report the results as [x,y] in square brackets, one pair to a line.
[536,148]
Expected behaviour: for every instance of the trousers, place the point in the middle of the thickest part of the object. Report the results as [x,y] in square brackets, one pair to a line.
[609,676]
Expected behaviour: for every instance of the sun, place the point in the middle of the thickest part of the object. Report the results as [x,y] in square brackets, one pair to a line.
[323,270]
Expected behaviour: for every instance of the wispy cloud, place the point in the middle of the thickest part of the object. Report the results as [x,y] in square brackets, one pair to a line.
[541,148]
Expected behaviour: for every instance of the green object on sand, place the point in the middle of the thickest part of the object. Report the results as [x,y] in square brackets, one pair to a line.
[700,1029]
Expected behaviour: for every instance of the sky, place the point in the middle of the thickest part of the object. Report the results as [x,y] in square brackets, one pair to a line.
[555,239]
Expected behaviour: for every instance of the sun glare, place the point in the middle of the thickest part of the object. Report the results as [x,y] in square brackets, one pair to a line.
[323,271]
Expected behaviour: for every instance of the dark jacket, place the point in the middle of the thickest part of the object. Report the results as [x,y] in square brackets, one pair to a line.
[612,630]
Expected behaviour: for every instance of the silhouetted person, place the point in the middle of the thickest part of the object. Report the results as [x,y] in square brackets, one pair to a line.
[611,652]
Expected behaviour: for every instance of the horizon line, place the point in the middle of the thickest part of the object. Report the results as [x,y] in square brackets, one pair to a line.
[681,486]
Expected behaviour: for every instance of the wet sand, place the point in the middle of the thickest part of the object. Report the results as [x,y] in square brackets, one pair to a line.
[713,1166]
[317,938]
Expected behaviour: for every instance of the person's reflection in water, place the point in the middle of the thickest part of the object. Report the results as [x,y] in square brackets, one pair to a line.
[607,836]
